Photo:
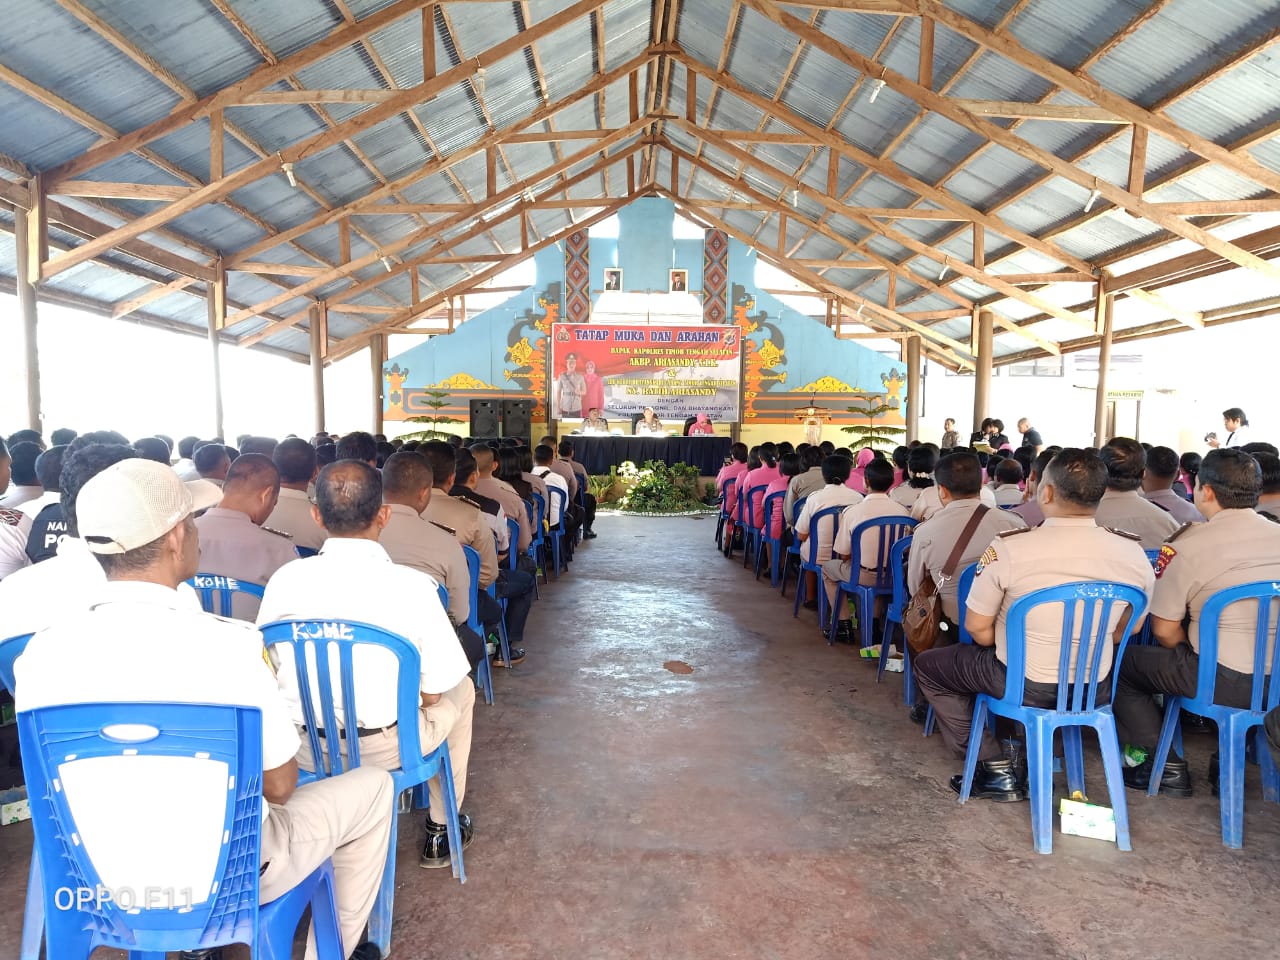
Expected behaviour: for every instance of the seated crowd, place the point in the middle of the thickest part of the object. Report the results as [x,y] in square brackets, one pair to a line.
[100,538]
[1177,528]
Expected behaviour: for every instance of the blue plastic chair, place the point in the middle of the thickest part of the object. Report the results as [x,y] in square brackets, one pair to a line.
[772,505]
[1091,605]
[581,500]
[304,552]
[212,586]
[1146,638]
[738,524]
[752,534]
[1234,723]
[893,619]
[513,550]
[889,530]
[484,673]
[538,546]
[963,585]
[484,669]
[473,617]
[33,918]
[813,564]
[229,911]
[728,496]
[793,547]
[314,645]
[556,534]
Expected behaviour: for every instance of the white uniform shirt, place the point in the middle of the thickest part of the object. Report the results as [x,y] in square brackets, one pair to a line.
[873,507]
[19,494]
[553,479]
[356,580]
[142,642]
[1008,495]
[832,495]
[66,584]
[32,508]
[1237,438]
[15,528]
[186,469]
[292,515]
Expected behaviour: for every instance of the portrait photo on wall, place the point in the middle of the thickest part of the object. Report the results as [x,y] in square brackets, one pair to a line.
[679,282]
[613,279]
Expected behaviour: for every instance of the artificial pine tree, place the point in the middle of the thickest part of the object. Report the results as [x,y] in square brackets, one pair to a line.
[872,434]
[438,399]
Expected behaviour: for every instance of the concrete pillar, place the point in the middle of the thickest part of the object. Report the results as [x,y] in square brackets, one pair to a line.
[377,357]
[915,389]
[216,300]
[985,364]
[27,307]
[1105,306]
[318,336]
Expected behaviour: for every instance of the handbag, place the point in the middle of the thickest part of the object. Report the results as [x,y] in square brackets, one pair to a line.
[923,611]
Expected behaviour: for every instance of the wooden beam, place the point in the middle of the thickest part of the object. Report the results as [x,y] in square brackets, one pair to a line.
[1189,318]
[361,308]
[217,144]
[1035,111]
[1138,162]
[924,73]
[892,299]
[344,240]
[979,247]
[908,213]
[831,264]
[35,238]
[833,173]
[924,316]
[557,136]
[428,42]
[895,7]
[157,292]
[1030,279]
[281,269]
[278,97]
[690,95]
[1221,208]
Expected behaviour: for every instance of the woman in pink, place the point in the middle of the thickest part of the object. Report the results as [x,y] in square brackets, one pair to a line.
[702,428]
[788,467]
[762,475]
[733,470]
[857,476]
[593,396]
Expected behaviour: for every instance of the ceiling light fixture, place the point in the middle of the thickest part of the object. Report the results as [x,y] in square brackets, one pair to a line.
[876,87]
[861,307]
[795,196]
[1093,198]
[946,265]
[528,195]
[386,262]
[479,81]
[286,166]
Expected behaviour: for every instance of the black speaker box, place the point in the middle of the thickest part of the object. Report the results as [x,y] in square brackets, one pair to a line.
[515,417]
[484,418]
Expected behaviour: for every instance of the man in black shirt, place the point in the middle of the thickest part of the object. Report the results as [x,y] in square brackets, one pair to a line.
[1030,435]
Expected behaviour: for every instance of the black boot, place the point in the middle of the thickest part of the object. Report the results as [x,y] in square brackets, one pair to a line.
[919,713]
[1213,775]
[213,953]
[993,780]
[1174,782]
[435,852]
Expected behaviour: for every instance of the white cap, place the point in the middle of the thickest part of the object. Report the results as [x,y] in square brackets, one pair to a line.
[136,501]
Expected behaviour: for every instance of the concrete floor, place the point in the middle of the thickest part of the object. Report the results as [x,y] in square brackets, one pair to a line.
[773,803]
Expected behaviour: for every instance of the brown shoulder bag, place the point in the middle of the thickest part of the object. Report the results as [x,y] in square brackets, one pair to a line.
[923,611]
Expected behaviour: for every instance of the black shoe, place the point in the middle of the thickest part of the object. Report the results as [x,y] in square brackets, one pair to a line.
[213,953]
[810,604]
[517,656]
[1174,782]
[919,713]
[1194,723]
[1213,775]
[366,951]
[844,631]
[589,535]
[993,780]
[435,852]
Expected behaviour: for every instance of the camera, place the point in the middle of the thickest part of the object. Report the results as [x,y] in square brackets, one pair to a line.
[728,460]
[1210,436]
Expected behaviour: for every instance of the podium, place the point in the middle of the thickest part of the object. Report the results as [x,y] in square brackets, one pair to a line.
[813,417]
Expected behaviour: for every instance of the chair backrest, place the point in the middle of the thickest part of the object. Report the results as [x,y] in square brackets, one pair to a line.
[794,546]
[304,552]
[755,497]
[323,652]
[473,571]
[963,585]
[10,650]
[772,505]
[828,513]
[1266,642]
[1087,608]
[443,593]
[898,572]
[513,549]
[889,531]
[555,494]
[139,878]
[217,592]
[728,495]
[1152,556]
[540,509]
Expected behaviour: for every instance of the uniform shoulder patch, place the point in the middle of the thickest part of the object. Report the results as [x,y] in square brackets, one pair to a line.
[449,530]
[11,517]
[1124,533]
[1163,558]
[1179,532]
[1003,534]
[278,533]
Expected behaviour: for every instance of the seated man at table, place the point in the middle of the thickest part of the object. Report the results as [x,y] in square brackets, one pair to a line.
[353,578]
[595,423]
[1067,547]
[1236,546]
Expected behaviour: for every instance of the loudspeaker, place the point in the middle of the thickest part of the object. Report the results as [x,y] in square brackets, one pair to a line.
[515,418]
[484,418]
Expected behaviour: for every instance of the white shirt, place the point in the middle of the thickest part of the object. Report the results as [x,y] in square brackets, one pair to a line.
[1237,438]
[15,528]
[32,508]
[292,515]
[832,495]
[19,494]
[142,642]
[66,584]
[1008,495]
[552,479]
[356,580]
[186,469]
[873,507]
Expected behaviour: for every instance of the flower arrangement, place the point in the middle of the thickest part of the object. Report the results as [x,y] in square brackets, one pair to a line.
[657,487]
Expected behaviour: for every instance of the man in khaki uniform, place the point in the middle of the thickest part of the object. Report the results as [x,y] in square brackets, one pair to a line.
[804,483]
[414,542]
[296,461]
[959,480]
[560,468]
[1157,486]
[1067,547]
[233,542]
[838,570]
[1122,508]
[1234,547]
[464,519]
[489,486]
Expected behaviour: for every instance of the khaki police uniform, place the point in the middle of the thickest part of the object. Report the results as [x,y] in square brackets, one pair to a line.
[929,503]
[512,506]
[801,486]
[1018,562]
[836,570]
[413,542]
[1008,495]
[232,545]
[565,473]
[292,515]
[933,541]
[1126,510]
[1180,509]
[1234,547]
[470,528]
[539,485]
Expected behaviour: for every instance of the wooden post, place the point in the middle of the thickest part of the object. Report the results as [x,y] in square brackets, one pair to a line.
[1105,306]
[27,307]
[983,366]
[216,301]
[915,388]
[377,357]
[317,363]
